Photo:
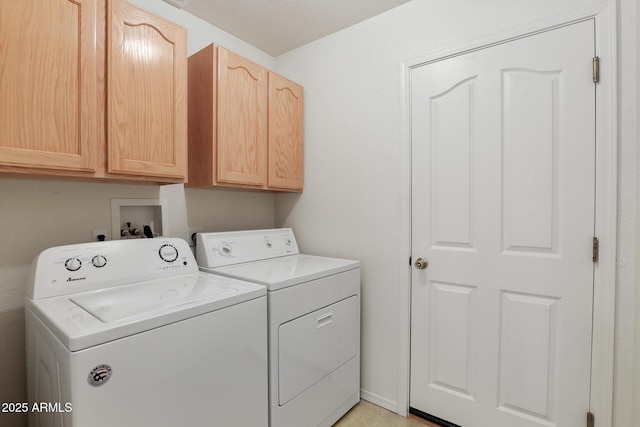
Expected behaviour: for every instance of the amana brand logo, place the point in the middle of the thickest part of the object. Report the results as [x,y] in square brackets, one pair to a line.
[99,375]
[75,279]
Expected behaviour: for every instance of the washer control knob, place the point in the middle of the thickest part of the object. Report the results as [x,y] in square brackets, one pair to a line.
[99,261]
[287,242]
[268,244]
[73,264]
[168,253]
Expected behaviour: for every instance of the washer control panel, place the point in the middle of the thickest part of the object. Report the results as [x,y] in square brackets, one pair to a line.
[74,268]
[235,247]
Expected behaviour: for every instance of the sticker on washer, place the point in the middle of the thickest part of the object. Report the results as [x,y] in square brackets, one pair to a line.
[99,375]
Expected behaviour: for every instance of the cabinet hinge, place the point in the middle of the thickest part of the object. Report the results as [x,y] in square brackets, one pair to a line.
[590,420]
[596,69]
[596,249]
[409,260]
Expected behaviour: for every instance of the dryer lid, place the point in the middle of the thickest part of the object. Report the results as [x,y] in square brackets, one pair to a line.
[278,273]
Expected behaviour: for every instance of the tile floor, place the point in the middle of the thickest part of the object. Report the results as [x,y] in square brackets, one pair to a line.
[366,414]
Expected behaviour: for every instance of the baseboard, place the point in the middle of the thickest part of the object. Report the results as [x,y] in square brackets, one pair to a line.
[379,400]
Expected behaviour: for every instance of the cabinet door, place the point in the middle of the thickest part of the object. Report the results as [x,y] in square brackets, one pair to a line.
[48,84]
[285,133]
[146,93]
[242,120]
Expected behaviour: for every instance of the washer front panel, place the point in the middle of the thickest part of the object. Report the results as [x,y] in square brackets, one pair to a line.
[205,370]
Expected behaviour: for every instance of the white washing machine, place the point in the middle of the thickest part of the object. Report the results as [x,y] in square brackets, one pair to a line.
[314,321]
[130,333]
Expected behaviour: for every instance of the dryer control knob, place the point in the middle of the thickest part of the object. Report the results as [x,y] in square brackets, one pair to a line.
[225,249]
[73,264]
[168,253]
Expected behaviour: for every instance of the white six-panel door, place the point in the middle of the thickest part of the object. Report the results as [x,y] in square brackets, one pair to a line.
[503,173]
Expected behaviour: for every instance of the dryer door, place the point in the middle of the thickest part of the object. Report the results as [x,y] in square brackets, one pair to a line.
[314,345]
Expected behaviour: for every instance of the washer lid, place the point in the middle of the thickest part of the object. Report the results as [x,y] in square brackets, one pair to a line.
[278,273]
[125,302]
[90,318]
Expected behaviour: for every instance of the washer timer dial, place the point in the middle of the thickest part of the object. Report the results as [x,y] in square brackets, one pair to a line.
[168,253]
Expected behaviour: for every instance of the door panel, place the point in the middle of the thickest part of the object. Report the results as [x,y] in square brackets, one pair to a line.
[453,337]
[503,143]
[527,329]
[530,143]
[452,145]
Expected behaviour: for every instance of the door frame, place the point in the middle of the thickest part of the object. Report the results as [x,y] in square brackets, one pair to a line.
[602,363]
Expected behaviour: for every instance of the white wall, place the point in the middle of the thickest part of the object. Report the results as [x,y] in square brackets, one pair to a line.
[353,203]
[202,33]
[37,213]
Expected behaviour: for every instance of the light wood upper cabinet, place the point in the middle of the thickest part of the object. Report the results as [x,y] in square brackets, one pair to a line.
[285,133]
[64,112]
[48,84]
[147,93]
[242,120]
[245,124]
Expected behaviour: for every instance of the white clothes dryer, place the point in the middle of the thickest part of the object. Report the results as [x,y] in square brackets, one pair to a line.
[129,333]
[313,306]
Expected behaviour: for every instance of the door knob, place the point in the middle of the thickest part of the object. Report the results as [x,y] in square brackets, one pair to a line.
[421,263]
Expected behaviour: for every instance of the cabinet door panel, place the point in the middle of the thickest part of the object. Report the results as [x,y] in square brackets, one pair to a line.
[48,84]
[242,120]
[146,96]
[285,133]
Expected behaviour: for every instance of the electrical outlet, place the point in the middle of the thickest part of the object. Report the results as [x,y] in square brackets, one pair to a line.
[96,233]
[191,235]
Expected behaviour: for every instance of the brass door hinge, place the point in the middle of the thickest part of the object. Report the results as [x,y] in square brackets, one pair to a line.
[590,420]
[596,69]
[596,249]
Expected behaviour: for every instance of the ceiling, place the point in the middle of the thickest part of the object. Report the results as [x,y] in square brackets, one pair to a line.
[278,26]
